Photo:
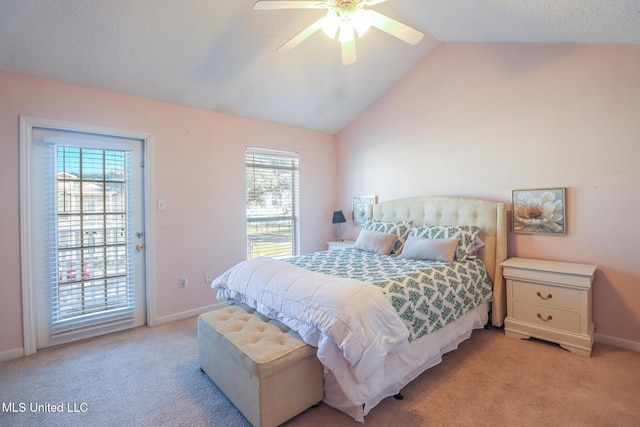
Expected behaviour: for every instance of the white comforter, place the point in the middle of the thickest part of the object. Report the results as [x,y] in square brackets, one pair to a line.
[342,317]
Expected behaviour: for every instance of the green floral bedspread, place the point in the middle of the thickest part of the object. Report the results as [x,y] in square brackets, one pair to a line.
[427,295]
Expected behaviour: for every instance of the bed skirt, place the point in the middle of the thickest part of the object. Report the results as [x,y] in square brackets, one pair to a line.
[402,368]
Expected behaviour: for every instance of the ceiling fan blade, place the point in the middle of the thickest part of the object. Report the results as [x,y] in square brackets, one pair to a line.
[286,4]
[300,37]
[396,28]
[348,52]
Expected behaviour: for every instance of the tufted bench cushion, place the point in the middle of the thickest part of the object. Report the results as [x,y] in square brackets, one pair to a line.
[262,366]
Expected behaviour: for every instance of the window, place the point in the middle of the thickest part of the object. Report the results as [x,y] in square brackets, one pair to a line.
[272,203]
[91,237]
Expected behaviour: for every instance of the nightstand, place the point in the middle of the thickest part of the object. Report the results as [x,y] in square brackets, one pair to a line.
[341,245]
[551,301]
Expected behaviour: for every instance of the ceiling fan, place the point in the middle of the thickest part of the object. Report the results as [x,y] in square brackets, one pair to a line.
[344,19]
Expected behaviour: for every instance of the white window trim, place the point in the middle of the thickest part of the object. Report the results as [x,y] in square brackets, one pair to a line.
[296,207]
[26,251]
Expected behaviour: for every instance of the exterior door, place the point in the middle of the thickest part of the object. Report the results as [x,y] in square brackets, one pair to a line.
[88,234]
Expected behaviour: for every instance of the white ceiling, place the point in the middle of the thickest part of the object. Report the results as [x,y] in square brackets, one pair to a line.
[221,55]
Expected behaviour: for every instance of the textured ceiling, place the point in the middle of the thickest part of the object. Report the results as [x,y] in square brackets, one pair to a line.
[221,55]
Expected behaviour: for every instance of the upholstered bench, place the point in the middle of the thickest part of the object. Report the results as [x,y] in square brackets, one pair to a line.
[262,366]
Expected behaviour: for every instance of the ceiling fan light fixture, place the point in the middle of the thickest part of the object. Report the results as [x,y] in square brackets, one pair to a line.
[361,20]
[346,32]
[330,24]
[347,22]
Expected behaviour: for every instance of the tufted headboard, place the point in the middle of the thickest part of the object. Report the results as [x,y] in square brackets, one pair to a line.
[490,216]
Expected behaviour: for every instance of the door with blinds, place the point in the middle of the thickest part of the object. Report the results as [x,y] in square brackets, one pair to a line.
[88,232]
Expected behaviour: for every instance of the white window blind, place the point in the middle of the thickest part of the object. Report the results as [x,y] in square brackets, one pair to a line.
[271,203]
[92,284]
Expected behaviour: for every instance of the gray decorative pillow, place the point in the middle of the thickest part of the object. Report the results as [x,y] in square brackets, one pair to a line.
[375,241]
[430,249]
[465,233]
[400,229]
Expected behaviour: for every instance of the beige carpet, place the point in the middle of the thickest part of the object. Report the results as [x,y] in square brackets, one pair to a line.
[151,377]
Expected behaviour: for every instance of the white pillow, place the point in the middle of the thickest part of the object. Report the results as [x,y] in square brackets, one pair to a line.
[430,249]
[375,241]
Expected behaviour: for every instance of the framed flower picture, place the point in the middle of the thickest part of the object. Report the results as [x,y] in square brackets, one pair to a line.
[539,211]
[363,208]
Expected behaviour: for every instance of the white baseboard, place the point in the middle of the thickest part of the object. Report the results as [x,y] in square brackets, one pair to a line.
[618,342]
[11,354]
[19,352]
[179,316]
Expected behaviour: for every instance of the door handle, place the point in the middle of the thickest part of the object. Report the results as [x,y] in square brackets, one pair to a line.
[139,247]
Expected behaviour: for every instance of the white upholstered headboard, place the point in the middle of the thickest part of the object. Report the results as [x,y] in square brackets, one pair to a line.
[490,216]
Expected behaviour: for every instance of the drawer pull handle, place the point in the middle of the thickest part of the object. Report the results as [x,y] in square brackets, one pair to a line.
[549,317]
[549,296]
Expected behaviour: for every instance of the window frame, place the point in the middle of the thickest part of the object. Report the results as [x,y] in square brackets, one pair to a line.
[281,163]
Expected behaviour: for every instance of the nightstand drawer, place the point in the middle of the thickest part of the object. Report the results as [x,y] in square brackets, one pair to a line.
[547,317]
[548,296]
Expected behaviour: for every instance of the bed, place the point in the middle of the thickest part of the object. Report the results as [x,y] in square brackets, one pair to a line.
[367,312]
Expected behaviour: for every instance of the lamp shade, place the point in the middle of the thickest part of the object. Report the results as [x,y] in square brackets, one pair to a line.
[338,217]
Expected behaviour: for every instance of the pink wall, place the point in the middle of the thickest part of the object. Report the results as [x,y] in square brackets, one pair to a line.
[198,169]
[482,119]
[531,115]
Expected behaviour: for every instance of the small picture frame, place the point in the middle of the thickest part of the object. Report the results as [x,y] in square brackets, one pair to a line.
[540,210]
[363,208]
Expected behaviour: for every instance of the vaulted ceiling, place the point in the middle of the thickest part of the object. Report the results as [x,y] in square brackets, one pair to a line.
[220,55]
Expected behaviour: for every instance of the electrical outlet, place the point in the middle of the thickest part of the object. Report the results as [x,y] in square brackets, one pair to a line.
[208,277]
[184,281]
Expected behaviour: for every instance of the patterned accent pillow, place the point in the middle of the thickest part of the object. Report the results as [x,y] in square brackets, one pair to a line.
[465,233]
[401,229]
[475,245]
